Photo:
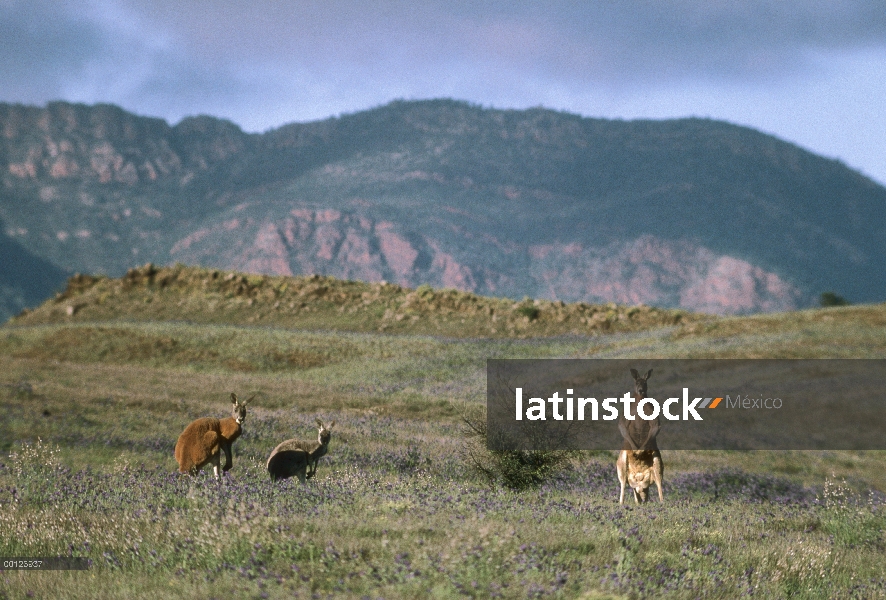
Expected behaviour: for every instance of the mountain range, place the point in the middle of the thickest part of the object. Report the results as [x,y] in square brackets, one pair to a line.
[692,213]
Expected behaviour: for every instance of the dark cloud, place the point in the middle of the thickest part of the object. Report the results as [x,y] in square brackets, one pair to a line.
[262,63]
[221,47]
[591,41]
[729,39]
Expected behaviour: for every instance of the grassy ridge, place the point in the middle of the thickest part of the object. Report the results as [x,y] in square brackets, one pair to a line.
[202,295]
[92,407]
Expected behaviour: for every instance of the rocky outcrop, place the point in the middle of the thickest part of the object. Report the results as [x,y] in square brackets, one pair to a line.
[348,245]
[660,272]
[330,241]
[106,144]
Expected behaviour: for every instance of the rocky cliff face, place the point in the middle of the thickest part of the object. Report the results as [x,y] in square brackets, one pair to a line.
[105,144]
[101,144]
[697,214]
[331,242]
[647,270]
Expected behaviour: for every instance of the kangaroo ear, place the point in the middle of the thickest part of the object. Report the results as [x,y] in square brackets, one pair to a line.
[331,425]
[320,423]
[234,398]
[635,374]
[648,373]
[250,400]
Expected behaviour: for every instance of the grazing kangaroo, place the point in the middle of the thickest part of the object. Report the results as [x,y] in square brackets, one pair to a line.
[203,440]
[299,457]
[639,462]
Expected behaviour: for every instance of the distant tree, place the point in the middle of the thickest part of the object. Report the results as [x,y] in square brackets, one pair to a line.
[832,299]
[529,311]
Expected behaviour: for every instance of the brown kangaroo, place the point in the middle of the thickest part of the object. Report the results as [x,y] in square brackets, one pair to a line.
[639,462]
[203,440]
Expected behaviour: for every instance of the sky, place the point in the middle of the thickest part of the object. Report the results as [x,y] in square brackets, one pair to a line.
[810,72]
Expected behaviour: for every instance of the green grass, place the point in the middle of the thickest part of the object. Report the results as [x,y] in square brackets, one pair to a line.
[92,408]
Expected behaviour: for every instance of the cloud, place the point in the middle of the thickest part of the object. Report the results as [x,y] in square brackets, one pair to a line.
[629,39]
[129,50]
[262,63]
[41,46]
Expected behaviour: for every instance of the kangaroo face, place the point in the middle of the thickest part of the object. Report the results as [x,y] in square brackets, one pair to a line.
[324,434]
[239,412]
[640,383]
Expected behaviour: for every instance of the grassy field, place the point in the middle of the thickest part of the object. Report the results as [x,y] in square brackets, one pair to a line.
[94,398]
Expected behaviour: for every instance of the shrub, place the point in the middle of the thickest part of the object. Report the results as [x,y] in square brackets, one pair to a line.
[832,299]
[514,469]
[528,310]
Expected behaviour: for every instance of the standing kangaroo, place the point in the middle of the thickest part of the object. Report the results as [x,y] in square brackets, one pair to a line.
[639,462]
[203,441]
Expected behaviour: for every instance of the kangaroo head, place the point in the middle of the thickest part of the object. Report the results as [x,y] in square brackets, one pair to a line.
[238,412]
[640,382]
[324,434]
